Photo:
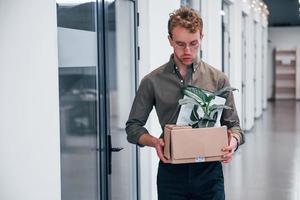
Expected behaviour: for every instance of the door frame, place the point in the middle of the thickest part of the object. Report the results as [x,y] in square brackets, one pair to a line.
[104,103]
[226,57]
[102,109]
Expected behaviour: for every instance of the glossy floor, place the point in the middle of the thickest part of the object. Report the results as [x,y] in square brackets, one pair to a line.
[267,166]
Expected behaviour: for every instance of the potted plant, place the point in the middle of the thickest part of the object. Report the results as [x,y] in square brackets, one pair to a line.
[204,100]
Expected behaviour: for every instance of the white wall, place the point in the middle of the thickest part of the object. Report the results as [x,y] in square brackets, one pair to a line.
[258,74]
[255,68]
[283,38]
[250,73]
[236,53]
[29,123]
[212,29]
[265,66]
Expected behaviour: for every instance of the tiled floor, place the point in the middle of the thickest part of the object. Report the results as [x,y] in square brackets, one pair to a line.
[267,166]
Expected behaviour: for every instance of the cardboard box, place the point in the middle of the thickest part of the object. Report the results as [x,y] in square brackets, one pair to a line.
[184,144]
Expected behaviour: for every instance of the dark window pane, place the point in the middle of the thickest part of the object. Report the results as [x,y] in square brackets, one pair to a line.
[79,16]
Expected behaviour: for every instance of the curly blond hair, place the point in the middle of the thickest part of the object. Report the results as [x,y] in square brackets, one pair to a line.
[187,18]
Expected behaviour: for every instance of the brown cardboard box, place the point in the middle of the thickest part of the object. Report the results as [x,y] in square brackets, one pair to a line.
[184,144]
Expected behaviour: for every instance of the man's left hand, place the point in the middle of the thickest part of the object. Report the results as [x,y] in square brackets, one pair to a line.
[229,149]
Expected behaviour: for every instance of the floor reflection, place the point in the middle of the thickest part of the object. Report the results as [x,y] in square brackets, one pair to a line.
[268,165]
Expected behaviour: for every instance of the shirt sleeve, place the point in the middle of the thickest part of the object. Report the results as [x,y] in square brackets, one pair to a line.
[230,117]
[140,110]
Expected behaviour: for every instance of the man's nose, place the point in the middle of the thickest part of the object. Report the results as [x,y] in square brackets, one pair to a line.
[187,49]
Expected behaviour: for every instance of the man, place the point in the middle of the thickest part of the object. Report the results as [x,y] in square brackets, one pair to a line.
[162,89]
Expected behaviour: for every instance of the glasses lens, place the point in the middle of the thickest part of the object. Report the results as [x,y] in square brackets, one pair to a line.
[182,45]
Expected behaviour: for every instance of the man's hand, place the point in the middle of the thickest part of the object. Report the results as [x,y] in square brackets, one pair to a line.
[229,149]
[157,143]
[159,147]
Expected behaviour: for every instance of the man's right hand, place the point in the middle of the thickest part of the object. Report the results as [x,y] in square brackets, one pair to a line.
[157,143]
[159,147]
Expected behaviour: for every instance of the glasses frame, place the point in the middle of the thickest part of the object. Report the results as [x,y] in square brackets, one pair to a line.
[185,45]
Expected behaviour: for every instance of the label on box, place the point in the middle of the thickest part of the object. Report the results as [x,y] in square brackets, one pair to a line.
[199,159]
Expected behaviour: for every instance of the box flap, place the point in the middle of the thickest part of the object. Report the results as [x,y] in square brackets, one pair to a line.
[198,142]
[174,126]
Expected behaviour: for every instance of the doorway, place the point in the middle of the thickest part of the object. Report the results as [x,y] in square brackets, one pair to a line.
[97,83]
[226,38]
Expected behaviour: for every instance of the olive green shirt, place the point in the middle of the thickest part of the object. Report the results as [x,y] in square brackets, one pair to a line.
[162,89]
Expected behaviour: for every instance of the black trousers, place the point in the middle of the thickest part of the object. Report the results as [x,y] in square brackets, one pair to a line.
[194,181]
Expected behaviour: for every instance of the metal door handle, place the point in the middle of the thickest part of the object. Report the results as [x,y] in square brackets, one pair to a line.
[110,150]
[116,149]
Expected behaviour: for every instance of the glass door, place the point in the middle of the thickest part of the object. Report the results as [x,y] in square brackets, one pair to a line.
[97,83]
[78,97]
[121,69]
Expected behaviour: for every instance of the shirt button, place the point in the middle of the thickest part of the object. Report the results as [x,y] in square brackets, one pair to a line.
[181,81]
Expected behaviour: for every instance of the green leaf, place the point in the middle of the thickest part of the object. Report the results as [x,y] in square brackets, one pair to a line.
[203,122]
[214,114]
[195,93]
[194,115]
[215,108]
[211,123]
[188,101]
[210,97]
[224,90]
[194,124]
[218,107]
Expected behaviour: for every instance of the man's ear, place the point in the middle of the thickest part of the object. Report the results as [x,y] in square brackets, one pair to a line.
[170,40]
[201,36]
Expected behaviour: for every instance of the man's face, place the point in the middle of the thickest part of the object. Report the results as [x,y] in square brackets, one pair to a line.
[185,44]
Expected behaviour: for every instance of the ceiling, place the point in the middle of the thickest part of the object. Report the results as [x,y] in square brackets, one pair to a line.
[283,12]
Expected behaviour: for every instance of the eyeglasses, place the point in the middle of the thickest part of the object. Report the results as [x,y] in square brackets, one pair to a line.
[182,45]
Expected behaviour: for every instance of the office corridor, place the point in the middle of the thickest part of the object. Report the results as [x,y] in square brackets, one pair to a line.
[267,167]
